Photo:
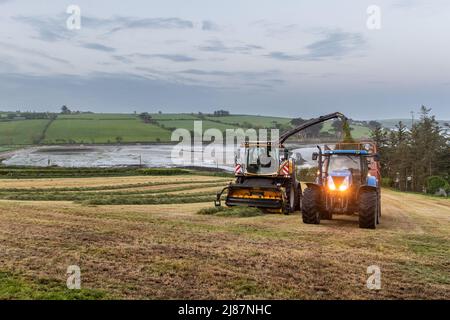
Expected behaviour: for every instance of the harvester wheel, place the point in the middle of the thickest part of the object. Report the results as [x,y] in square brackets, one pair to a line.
[291,200]
[368,209]
[298,197]
[311,206]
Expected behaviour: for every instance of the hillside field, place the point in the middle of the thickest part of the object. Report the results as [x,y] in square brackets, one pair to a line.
[91,128]
[141,237]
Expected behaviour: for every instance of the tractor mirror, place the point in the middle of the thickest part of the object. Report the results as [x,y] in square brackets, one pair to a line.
[376,157]
[315,155]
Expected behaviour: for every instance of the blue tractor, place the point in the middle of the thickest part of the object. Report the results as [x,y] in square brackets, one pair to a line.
[348,181]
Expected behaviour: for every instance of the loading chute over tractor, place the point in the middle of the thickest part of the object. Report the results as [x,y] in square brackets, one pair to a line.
[347,182]
[267,174]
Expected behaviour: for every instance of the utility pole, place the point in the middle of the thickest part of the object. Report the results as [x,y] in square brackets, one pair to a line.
[412,119]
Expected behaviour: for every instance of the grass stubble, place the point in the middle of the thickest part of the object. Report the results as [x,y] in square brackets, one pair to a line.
[175,244]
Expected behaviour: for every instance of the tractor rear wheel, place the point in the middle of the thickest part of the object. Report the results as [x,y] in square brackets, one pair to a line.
[311,206]
[368,209]
[379,208]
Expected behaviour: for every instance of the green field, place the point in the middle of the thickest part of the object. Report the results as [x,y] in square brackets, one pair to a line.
[174,116]
[261,121]
[129,128]
[21,132]
[103,130]
[98,116]
[189,124]
[358,131]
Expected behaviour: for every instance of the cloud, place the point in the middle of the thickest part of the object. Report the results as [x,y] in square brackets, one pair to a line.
[171,57]
[246,75]
[99,47]
[405,3]
[275,29]
[208,25]
[334,45]
[278,55]
[54,28]
[33,53]
[218,46]
[123,59]
[5,66]
[198,72]
[48,28]
[151,23]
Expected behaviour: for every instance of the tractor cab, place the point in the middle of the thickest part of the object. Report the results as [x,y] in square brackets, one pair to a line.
[344,168]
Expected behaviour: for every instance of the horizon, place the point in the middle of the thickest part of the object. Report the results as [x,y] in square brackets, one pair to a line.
[209,113]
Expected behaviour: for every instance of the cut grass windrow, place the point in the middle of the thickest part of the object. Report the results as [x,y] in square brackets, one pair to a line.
[231,212]
[109,187]
[166,199]
[98,199]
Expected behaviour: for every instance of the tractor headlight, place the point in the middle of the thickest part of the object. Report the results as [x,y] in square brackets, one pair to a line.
[330,184]
[345,184]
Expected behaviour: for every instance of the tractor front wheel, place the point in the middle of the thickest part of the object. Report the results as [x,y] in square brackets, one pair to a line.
[311,206]
[368,209]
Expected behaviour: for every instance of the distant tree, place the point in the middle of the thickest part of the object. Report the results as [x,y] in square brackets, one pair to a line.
[430,150]
[221,113]
[146,117]
[119,139]
[347,132]
[373,124]
[65,110]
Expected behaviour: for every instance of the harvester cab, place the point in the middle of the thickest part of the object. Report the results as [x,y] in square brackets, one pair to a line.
[347,182]
[266,174]
[266,178]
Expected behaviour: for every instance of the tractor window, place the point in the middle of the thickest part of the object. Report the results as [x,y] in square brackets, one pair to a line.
[262,159]
[342,162]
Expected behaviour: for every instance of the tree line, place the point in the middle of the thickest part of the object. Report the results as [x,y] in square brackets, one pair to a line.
[416,159]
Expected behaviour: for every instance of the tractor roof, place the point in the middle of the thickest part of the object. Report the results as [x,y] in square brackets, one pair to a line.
[350,152]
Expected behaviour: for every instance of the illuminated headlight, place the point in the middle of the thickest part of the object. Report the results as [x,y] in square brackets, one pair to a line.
[345,184]
[330,184]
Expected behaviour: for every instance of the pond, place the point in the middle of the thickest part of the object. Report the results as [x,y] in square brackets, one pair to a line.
[156,155]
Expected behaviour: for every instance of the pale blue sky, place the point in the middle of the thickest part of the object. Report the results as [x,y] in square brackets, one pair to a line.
[288,58]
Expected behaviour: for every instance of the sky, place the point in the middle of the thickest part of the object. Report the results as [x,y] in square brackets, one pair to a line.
[282,58]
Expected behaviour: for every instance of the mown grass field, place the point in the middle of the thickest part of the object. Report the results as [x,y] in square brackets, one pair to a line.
[103,130]
[162,248]
[21,132]
[358,131]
